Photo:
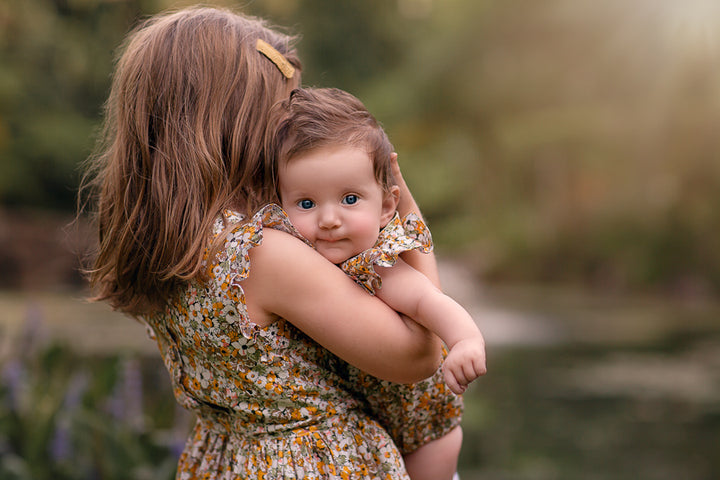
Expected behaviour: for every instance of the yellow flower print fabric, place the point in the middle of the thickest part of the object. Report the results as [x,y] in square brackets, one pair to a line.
[413,414]
[270,403]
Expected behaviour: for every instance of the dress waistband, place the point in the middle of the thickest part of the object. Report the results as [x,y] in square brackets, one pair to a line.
[256,423]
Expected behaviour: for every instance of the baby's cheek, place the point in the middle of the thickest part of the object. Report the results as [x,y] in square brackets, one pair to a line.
[297,221]
[304,229]
[367,234]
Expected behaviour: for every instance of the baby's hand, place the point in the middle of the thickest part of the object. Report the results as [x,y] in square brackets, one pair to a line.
[464,363]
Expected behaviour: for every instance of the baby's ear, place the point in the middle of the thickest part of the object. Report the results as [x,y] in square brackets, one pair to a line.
[390,203]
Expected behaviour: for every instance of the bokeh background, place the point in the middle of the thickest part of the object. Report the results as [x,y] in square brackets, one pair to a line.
[567,157]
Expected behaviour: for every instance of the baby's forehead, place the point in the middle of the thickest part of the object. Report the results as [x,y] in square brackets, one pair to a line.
[329,162]
[320,146]
[335,150]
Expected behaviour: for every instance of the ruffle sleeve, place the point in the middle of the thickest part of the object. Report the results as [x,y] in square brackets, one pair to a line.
[397,237]
[234,257]
[232,262]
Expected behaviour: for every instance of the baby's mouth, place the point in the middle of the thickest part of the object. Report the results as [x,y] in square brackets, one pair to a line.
[328,240]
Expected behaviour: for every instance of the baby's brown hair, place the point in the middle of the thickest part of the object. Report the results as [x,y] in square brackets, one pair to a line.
[318,117]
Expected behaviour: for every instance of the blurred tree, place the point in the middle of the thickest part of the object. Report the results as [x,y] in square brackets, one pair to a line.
[54,62]
[564,140]
[343,44]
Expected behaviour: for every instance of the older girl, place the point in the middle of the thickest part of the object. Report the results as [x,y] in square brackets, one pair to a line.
[245,332]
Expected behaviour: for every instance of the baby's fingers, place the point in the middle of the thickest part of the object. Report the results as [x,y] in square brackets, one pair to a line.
[454,378]
[469,373]
[453,383]
[480,367]
[394,164]
[473,369]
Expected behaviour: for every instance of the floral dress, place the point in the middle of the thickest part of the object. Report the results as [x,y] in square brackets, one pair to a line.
[270,402]
[413,414]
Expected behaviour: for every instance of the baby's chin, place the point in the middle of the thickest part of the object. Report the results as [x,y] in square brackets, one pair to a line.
[337,257]
[342,261]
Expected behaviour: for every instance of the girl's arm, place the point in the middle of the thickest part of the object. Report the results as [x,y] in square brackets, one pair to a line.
[425,263]
[289,279]
[411,293]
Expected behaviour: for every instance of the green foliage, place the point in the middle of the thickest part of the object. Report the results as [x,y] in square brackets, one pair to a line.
[564,140]
[55,58]
[542,139]
[64,416]
[343,44]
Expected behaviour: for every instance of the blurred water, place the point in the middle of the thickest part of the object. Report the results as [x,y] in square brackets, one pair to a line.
[593,386]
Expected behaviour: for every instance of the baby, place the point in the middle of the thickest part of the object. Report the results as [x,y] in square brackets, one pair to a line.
[333,168]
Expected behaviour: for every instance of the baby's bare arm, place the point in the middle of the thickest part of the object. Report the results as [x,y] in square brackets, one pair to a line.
[409,292]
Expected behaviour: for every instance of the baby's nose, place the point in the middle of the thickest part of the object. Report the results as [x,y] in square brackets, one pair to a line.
[329,218]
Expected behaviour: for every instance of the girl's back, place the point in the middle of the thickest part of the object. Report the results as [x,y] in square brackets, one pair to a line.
[183,142]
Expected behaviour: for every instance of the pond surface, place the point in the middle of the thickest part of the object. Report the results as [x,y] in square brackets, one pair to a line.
[594,387]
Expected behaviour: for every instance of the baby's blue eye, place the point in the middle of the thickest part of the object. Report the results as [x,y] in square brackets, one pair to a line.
[306,204]
[350,199]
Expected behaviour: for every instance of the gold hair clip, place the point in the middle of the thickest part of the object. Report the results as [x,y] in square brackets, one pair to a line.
[276,57]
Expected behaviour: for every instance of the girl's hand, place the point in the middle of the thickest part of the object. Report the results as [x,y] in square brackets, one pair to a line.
[464,363]
[407,202]
[424,263]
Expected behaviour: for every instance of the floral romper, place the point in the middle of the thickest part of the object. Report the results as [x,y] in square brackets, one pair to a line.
[270,402]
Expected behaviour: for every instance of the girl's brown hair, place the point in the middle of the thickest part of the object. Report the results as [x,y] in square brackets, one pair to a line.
[312,118]
[182,140]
